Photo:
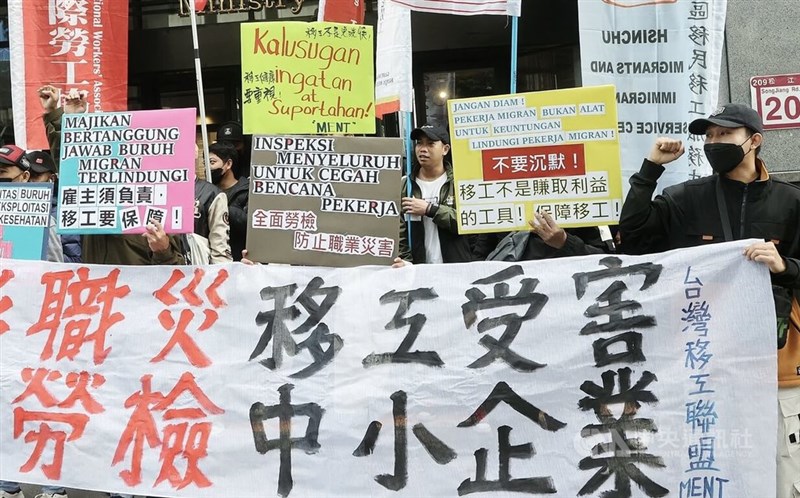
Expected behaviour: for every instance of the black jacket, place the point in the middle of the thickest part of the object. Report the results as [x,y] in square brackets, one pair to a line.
[455,248]
[237,214]
[687,215]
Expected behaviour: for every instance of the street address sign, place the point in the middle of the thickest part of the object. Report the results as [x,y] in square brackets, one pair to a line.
[777,99]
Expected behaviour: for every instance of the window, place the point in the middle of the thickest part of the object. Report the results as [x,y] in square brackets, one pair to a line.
[443,86]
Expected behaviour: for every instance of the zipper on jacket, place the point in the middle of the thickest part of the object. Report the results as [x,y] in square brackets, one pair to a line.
[741,218]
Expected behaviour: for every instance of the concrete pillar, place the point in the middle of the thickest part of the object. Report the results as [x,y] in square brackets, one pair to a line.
[762,39]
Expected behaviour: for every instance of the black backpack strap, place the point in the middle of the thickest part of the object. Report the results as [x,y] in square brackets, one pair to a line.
[722,206]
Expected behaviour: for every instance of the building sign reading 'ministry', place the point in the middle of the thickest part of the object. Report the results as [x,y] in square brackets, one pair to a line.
[231,6]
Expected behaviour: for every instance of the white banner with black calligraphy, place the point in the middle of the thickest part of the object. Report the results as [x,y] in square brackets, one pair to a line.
[664,57]
[571,377]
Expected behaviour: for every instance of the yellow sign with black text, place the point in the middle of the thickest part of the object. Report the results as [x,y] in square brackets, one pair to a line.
[310,78]
[555,151]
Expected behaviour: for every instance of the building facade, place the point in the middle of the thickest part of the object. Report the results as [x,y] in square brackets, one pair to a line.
[454,57]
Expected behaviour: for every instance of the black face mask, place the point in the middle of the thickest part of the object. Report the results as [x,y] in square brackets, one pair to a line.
[8,180]
[723,158]
[216,176]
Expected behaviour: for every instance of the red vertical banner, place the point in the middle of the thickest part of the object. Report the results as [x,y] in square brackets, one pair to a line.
[344,11]
[80,44]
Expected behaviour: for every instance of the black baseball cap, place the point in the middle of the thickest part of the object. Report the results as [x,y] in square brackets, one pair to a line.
[729,116]
[433,132]
[230,131]
[41,162]
[14,156]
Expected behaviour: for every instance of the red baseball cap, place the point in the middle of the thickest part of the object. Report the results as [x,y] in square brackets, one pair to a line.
[14,156]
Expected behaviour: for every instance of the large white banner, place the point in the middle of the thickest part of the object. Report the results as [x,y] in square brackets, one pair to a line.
[664,57]
[571,377]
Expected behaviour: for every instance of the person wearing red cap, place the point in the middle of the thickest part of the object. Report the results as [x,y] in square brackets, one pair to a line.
[15,167]
[740,201]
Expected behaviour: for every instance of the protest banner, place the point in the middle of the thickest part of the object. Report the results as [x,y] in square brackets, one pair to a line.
[314,78]
[324,201]
[554,151]
[393,89]
[664,58]
[68,44]
[24,220]
[348,12]
[121,170]
[599,374]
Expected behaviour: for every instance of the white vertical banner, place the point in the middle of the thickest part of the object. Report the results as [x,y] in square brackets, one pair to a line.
[664,58]
[17,49]
[393,89]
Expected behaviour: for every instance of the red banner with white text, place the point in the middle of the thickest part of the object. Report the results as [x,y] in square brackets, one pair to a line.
[344,11]
[80,44]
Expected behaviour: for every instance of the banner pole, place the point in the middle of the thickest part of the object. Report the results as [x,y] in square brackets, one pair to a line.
[514,46]
[407,127]
[200,96]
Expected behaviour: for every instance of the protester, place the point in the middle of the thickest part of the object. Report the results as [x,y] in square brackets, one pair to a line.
[740,201]
[222,159]
[15,167]
[211,238]
[434,225]
[231,132]
[546,239]
[154,247]
[43,170]
[50,98]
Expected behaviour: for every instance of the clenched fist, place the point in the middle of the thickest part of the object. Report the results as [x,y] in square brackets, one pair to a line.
[665,150]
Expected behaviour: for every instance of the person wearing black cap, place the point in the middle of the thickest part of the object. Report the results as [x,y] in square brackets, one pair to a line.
[740,201]
[431,207]
[43,170]
[231,132]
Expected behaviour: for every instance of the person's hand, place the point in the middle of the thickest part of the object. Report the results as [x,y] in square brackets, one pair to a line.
[156,237]
[546,227]
[75,102]
[766,253]
[399,263]
[412,205]
[50,97]
[246,261]
[665,150]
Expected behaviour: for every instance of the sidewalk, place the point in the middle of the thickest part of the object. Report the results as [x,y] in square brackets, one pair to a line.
[32,490]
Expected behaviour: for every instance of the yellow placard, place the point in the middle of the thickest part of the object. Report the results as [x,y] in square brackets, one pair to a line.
[555,151]
[311,78]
